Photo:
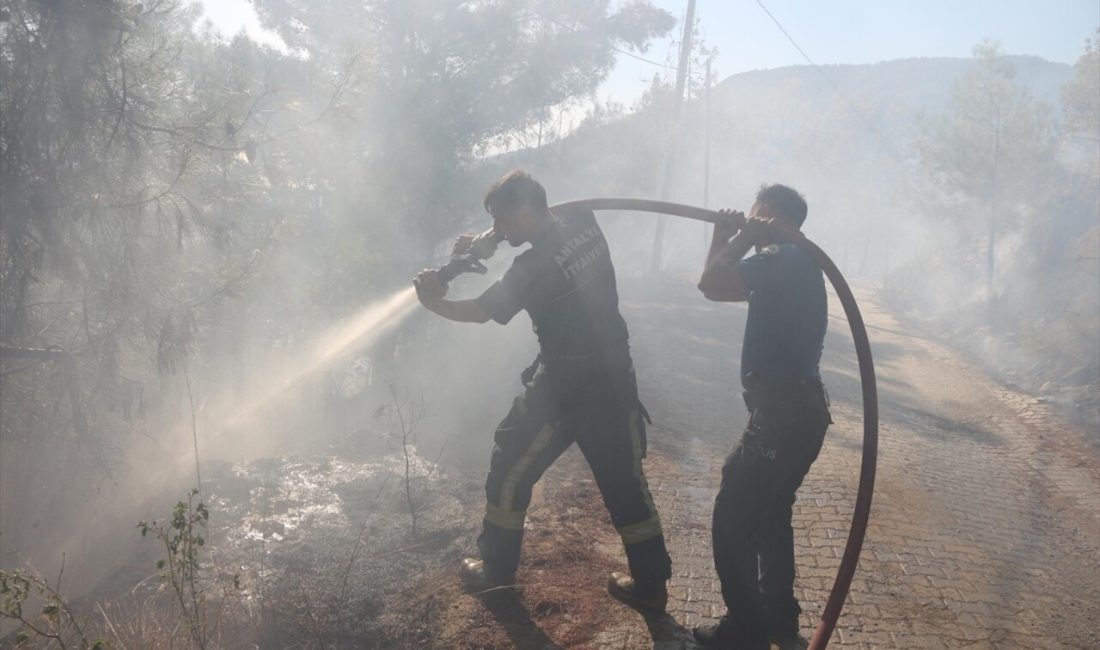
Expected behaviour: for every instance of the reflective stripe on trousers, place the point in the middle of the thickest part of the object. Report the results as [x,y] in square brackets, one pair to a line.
[610,432]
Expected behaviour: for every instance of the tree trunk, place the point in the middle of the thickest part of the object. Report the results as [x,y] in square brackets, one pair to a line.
[990,250]
[670,162]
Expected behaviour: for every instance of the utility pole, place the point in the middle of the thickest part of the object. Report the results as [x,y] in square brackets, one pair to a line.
[670,160]
[990,296]
[706,149]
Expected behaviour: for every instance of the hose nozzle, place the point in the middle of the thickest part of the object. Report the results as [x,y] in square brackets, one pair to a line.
[485,245]
[467,258]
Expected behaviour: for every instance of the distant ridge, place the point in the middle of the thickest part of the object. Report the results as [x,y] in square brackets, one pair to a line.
[852,157]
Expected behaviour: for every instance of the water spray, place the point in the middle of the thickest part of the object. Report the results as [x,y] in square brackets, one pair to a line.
[357,332]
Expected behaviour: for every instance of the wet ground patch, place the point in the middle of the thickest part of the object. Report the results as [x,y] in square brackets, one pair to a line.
[561,598]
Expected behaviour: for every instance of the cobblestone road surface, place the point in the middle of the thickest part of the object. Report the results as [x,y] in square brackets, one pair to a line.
[985,527]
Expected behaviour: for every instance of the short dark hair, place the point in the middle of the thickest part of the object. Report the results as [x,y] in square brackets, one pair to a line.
[516,189]
[784,200]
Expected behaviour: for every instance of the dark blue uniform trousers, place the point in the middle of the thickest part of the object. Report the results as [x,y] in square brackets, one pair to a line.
[752,534]
[599,411]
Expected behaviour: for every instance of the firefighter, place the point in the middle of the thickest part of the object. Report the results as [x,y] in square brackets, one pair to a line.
[753,542]
[581,388]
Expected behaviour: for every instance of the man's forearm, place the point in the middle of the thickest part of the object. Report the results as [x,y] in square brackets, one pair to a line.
[461,311]
[721,280]
[718,241]
[723,254]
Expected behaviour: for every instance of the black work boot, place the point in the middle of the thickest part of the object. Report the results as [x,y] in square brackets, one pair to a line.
[728,635]
[789,641]
[622,586]
[783,628]
[476,578]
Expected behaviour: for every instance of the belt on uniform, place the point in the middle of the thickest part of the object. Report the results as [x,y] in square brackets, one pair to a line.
[762,391]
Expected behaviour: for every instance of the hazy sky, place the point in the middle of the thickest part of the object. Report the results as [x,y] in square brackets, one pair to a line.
[830,31]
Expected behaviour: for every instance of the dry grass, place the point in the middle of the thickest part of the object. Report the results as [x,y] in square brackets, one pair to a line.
[403,592]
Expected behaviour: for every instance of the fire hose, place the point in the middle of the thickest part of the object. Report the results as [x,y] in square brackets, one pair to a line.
[862,510]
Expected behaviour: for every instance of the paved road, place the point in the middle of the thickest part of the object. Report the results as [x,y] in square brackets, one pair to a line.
[985,528]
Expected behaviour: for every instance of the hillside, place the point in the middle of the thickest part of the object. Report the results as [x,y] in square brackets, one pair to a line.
[849,155]
[844,135]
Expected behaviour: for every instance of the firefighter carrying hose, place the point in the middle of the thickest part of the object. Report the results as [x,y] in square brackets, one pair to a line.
[581,387]
[784,332]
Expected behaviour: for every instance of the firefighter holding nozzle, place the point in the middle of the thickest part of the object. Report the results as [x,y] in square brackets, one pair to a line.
[580,389]
[753,541]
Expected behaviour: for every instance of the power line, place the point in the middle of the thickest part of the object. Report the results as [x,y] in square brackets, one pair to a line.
[642,58]
[817,68]
[887,144]
[573,30]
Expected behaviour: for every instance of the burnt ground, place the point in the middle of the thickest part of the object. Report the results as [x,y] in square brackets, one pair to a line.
[985,528]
